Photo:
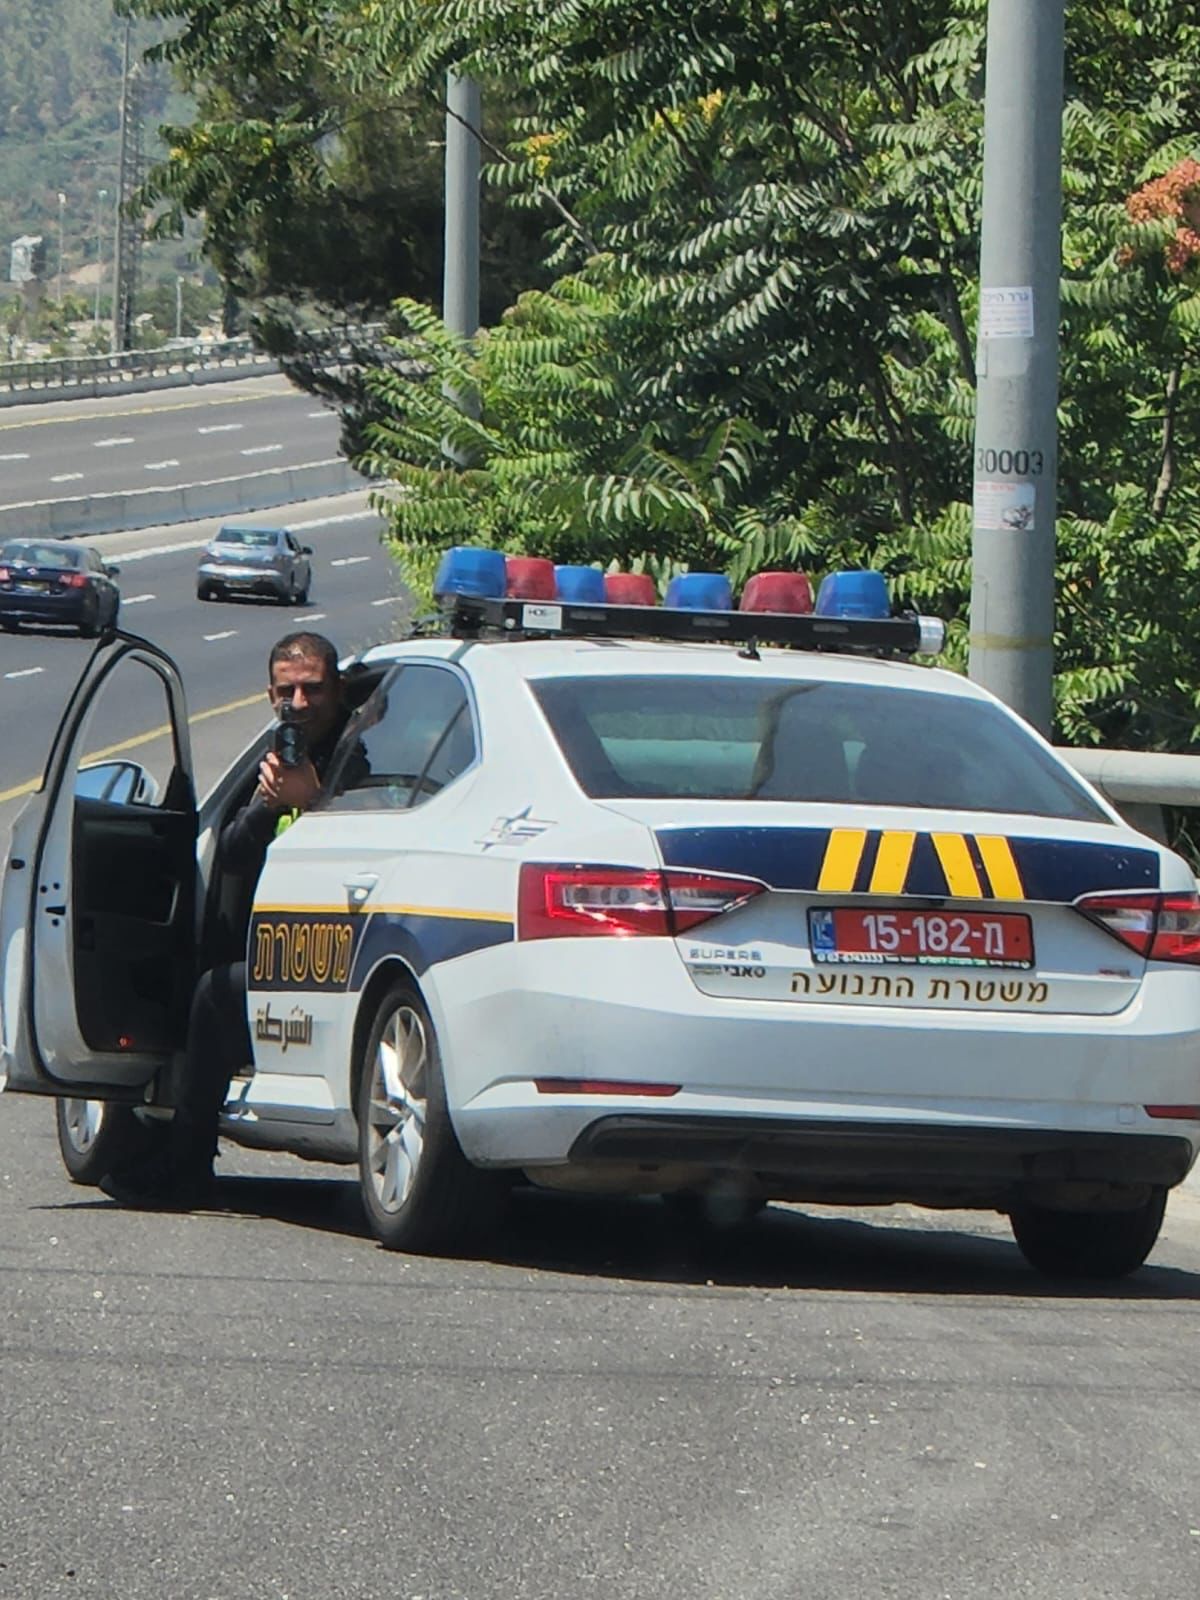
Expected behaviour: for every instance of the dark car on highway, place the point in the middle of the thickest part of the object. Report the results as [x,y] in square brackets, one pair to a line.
[244,559]
[58,582]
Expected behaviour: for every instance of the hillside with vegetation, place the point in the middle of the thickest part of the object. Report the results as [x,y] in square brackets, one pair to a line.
[60,97]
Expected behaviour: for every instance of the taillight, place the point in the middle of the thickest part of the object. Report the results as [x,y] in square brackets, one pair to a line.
[5,574]
[562,902]
[73,580]
[1159,927]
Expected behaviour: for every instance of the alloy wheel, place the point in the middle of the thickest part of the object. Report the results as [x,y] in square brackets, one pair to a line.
[398,1109]
[83,1119]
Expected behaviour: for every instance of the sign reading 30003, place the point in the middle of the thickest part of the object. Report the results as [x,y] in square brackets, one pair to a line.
[302,950]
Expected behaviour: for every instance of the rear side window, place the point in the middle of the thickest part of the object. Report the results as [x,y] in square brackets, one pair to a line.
[412,737]
[716,738]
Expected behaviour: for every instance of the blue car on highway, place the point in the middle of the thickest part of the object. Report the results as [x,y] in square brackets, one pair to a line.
[58,582]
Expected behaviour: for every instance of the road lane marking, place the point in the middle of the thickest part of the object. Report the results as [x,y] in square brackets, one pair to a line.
[66,477]
[17,455]
[318,414]
[136,599]
[159,466]
[27,672]
[263,450]
[149,411]
[111,444]
[222,427]
[312,616]
[328,522]
[392,600]
[349,561]
[211,638]
[33,784]
[122,556]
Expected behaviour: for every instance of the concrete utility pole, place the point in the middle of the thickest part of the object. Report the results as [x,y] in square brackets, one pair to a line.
[460,280]
[1016,451]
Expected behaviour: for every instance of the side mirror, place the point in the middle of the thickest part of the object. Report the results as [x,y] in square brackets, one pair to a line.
[306,550]
[112,571]
[117,783]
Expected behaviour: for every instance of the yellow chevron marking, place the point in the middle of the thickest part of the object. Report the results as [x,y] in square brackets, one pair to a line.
[842,856]
[961,878]
[892,862]
[1001,867]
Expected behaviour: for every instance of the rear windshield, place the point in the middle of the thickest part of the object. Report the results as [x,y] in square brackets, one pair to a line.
[707,738]
[256,537]
[39,555]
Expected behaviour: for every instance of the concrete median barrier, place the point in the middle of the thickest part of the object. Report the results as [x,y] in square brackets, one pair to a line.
[151,508]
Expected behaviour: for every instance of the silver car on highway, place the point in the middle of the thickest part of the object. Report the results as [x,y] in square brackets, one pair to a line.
[250,560]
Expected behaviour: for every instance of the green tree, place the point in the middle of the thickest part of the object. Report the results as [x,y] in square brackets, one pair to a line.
[794,193]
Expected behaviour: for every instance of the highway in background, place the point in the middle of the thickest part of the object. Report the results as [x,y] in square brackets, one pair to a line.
[65,449]
[221,647]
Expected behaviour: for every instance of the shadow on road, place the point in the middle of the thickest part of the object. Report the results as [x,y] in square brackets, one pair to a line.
[643,1240]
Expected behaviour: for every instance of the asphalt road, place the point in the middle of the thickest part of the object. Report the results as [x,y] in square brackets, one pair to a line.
[190,435]
[220,647]
[257,1403]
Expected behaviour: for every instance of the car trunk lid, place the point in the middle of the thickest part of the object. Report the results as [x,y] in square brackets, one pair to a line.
[875,906]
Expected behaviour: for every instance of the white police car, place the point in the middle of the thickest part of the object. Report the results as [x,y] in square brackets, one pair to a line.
[621,899]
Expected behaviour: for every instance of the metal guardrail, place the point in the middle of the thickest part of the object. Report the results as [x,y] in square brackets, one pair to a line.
[67,372]
[1140,783]
[1139,776]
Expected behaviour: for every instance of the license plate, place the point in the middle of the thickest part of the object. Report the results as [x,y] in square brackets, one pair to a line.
[922,938]
[32,586]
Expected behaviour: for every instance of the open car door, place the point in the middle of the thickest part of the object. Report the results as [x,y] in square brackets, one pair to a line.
[97,916]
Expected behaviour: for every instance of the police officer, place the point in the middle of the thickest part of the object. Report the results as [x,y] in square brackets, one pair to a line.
[305,690]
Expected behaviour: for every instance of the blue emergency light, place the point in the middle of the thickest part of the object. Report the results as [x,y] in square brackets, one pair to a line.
[854,594]
[467,570]
[700,591]
[584,586]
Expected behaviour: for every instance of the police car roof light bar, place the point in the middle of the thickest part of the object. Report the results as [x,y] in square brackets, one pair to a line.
[471,617]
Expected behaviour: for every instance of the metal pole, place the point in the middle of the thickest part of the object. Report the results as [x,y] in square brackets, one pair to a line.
[179,308]
[460,282]
[120,263]
[1016,451]
[62,211]
[103,196]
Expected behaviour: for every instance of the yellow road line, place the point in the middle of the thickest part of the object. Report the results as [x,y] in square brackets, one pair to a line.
[961,878]
[141,411]
[140,739]
[842,856]
[1001,867]
[891,864]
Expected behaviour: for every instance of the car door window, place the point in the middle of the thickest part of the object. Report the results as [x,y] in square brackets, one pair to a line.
[411,738]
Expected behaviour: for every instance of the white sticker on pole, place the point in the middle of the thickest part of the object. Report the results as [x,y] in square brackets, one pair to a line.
[1006,313]
[1007,507]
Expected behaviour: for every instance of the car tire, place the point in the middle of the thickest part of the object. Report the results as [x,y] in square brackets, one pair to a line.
[95,1136]
[420,1192]
[1089,1244]
[89,625]
[206,591]
[114,619]
[303,597]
